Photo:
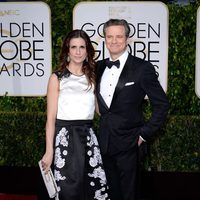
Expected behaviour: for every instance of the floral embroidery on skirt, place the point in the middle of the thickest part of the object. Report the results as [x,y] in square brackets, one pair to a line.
[78,165]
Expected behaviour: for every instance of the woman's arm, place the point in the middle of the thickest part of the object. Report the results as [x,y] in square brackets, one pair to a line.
[52,104]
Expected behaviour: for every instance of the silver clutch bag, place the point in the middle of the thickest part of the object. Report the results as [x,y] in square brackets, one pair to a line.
[49,181]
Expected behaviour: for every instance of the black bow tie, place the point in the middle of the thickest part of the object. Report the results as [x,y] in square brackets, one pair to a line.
[109,63]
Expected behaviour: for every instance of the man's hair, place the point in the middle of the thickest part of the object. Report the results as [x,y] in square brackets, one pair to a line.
[117,22]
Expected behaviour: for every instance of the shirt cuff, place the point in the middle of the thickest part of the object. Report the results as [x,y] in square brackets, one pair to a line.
[142,139]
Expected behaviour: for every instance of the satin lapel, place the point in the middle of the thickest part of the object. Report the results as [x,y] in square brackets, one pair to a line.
[99,75]
[100,70]
[103,103]
[123,77]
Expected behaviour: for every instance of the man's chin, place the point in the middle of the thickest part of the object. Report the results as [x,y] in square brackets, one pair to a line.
[116,53]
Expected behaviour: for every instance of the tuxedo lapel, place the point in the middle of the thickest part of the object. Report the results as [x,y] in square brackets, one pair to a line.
[103,103]
[100,71]
[126,72]
[123,77]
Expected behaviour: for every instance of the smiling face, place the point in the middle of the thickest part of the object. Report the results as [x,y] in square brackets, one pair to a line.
[77,50]
[116,40]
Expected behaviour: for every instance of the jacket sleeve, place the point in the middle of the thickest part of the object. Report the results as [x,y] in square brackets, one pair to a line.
[158,100]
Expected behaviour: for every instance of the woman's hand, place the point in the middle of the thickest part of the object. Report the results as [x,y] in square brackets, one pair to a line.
[47,161]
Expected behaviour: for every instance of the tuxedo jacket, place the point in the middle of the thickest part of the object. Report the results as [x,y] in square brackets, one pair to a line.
[123,123]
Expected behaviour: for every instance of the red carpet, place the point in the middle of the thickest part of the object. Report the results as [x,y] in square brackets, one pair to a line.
[17,197]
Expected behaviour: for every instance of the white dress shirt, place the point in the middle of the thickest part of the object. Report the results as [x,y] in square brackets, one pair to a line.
[110,78]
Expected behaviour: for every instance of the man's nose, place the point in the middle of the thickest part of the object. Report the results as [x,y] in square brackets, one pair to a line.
[114,40]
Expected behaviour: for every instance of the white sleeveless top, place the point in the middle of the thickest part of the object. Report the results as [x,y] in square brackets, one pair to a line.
[76,99]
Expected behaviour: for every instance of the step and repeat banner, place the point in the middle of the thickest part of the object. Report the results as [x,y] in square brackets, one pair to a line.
[25,48]
[25,40]
[149,29]
[197,71]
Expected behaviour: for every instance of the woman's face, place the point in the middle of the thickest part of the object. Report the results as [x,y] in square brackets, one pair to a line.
[77,50]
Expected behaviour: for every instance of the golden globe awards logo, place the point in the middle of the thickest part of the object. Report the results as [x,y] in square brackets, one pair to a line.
[25,48]
[146,50]
[19,52]
[149,29]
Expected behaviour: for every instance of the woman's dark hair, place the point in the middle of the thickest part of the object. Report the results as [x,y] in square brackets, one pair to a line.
[117,22]
[89,64]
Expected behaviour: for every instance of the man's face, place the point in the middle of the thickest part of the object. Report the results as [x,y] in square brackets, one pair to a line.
[116,41]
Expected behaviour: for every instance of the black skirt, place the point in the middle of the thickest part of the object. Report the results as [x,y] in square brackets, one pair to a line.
[78,166]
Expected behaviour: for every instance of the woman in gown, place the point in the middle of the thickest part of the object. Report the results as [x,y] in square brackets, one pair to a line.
[71,144]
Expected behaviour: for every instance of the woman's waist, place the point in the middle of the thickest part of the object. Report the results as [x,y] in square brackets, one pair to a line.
[79,122]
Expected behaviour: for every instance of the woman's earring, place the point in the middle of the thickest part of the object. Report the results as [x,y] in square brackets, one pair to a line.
[68,59]
[86,59]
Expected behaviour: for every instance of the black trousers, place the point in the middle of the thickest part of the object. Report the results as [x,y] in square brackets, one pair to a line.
[122,170]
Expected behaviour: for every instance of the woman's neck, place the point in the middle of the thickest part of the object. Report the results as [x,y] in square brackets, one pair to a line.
[75,69]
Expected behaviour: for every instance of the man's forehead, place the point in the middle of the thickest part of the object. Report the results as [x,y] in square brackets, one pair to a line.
[115,29]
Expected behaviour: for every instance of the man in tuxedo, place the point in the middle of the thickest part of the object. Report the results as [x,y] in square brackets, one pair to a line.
[123,81]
